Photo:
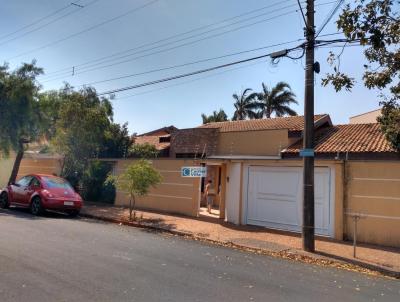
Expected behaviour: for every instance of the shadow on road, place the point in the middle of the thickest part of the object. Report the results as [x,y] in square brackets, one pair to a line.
[24,213]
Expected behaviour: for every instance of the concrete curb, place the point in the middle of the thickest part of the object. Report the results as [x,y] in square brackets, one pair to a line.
[290,254]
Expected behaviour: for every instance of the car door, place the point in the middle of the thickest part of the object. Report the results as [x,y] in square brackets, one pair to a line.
[33,186]
[19,189]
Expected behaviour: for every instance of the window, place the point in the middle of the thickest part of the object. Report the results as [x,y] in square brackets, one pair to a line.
[24,181]
[165,139]
[56,182]
[35,182]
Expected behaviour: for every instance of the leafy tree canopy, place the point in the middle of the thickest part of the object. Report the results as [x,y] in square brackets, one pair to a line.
[390,123]
[145,150]
[276,101]
[80,128]
[21,121]
[374,24]
[137,180]
[245,105]
[117,141]
[216,116]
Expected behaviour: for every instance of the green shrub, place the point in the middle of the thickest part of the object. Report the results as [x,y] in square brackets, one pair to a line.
[95,186]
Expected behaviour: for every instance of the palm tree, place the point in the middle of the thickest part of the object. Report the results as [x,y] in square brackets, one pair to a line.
[277,100]
[219,116]
[245,105]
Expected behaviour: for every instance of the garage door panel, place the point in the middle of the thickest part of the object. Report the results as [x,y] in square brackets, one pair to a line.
[274,210]
[275,198]
[274,203]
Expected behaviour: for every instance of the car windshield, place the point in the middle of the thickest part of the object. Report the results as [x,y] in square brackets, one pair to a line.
[56,182]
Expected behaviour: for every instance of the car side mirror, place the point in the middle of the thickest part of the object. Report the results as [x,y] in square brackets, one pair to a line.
[15,184]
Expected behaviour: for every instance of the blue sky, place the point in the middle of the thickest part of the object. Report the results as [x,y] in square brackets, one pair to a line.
[179,102]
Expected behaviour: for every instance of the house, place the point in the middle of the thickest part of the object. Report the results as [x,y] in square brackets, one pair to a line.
[256,167]
[160,138]
[367,117]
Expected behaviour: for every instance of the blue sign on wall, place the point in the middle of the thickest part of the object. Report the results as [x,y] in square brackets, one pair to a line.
[307,152]
[194,172]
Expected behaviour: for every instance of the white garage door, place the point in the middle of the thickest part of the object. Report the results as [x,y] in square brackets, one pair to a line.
[274,198]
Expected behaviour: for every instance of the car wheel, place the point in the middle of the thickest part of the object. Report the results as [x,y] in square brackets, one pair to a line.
[73,214]
[36,206]
[4,204]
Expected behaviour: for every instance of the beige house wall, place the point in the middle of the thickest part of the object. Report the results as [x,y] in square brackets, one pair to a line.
[366,118]
[175,194]
[30,164]
[6,165]
[373,190]
[261,143]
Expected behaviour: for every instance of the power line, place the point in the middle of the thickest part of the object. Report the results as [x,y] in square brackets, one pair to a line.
[190,73]
[101,65]
[174,47]
[329,16]
[39,20]
[85,30]
[198,61]
[190,63]
[187,82]
[302,13]
[67,69]
[48,23]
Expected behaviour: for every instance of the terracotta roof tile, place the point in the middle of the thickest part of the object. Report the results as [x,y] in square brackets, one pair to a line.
[293,123]
[355,138]
[152,140]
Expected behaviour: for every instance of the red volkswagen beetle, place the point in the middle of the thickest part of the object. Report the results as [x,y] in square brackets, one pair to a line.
[42,192]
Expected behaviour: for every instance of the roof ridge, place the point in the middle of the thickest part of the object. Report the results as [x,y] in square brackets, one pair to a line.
[357,124]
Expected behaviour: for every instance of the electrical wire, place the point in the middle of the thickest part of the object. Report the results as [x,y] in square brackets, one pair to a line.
[48,23]
[302,13]
[93,67]
[215,74]
[85,30]
[329,17]
[190,63]
[39,20]
[110,92]
[67,69]
[177,46]
[187,82]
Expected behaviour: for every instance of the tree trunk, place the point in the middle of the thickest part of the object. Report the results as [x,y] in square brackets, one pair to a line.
[133,207]
[17,163]
[130,208]
[268,113]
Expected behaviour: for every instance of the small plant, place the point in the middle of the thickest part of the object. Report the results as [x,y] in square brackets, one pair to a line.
[136,180]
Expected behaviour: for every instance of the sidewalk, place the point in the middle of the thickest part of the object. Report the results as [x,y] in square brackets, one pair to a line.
[276,243]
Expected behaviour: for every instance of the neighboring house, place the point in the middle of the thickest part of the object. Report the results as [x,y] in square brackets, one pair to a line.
[365,118]
[160,138]
[249,138]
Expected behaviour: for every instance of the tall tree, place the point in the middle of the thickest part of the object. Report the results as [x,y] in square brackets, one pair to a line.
[117,141]
[375,25]
[80,131]
[245,105]
[276,101]
[20,118]
[216,116]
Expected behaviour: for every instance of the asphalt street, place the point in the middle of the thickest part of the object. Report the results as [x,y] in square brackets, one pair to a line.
[55,258]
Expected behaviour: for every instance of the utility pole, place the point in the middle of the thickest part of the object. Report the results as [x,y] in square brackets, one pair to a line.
[308,138]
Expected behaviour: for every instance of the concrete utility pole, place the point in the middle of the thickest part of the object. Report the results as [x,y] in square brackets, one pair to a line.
[308,139]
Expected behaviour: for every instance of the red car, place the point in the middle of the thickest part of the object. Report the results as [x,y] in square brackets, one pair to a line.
[42,192]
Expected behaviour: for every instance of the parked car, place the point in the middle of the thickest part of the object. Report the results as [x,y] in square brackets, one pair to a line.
[41,192]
